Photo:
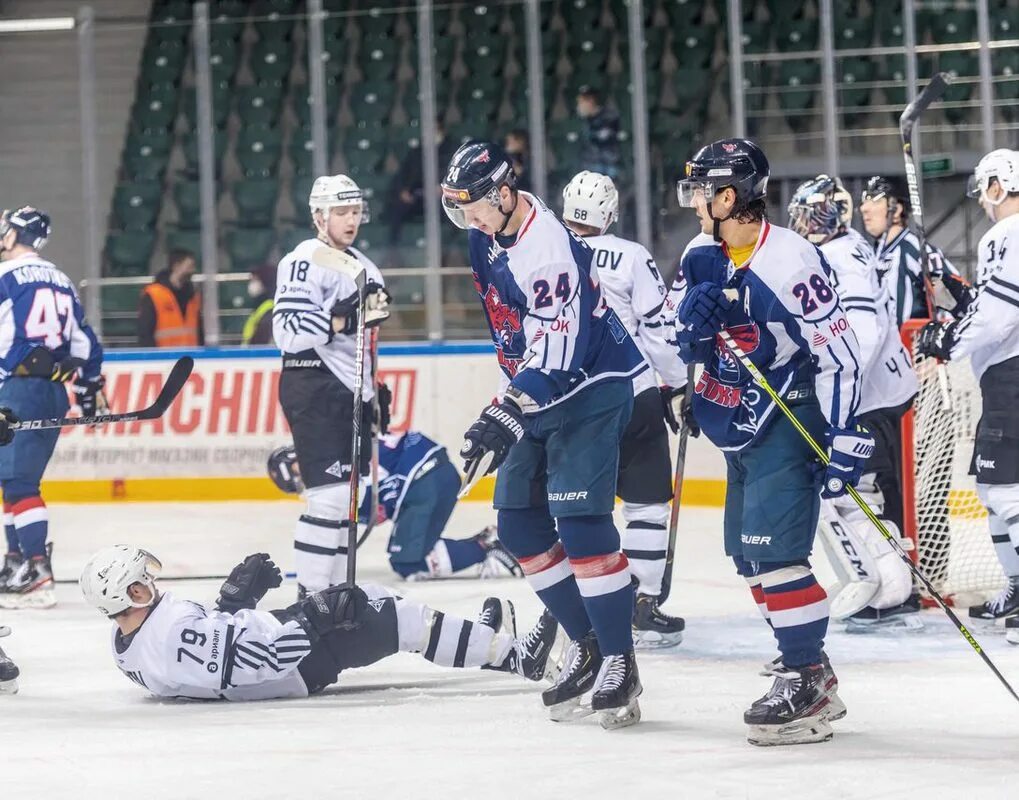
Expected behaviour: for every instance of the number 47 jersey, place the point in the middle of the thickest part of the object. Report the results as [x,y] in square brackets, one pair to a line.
[40,308]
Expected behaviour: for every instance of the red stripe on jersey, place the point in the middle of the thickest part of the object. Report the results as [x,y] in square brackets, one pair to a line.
[26,504]
[596,566]
[758,594]
[797,598]
[532,565]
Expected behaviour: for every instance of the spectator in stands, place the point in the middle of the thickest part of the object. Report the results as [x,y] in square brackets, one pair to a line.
[406,192]
[601,143]
[517,144]
[261,289]
[170,311]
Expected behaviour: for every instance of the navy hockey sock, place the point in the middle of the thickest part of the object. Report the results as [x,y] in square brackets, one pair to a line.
[13,546]
[798,610]
[464,553]
[31,523]
[603,576]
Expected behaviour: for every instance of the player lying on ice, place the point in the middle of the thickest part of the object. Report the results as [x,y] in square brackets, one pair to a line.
[233,651]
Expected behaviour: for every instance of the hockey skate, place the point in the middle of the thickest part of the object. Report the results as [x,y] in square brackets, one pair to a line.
[837,709]
[616,690]
[536,656]
[796,709]
[580,669]
[31,586]
[653,629]
[12,561]
[905,616]
[499,562]
[1012,630]
[1004,604]
[8,669]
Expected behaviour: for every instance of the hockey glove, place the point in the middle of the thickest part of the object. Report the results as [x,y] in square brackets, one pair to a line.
[248,582]
[385,402]
[936,340]
[488,441]
[376,303]
[7,418]
[848,450]
[39,363]
[677,411]
[694,349]
[88,394]
[704,309]
[338,608]
[959,294]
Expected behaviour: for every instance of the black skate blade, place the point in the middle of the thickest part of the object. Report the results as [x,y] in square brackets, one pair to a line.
[623,717]
[570,710]
[810,730]
[656,640]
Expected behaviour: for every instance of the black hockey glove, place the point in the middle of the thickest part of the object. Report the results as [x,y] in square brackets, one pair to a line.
[39,363]
[376,302]
[385,399]
[677,411]
[936,340]
[962,294]
[248,582]
[488,441]
[7,418]
[338,608]
[89,396]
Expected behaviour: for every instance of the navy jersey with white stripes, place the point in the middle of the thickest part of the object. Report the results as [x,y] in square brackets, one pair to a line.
[788,319]
[39,307]
[989,332]
[402,458]
[553,332]
[183,649]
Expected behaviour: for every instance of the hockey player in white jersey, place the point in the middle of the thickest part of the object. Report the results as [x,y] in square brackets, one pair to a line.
[876,586]
[989,335]
[177,648]
[634,289]
[314,320]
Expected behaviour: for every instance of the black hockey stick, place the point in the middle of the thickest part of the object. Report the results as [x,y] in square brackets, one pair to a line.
[866,509]
[174,383]
[677,489]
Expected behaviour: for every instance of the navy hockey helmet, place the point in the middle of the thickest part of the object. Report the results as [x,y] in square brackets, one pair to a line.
[285,471]
[894,189]
[820,208]
[736,163]
[477,171]
[32,226]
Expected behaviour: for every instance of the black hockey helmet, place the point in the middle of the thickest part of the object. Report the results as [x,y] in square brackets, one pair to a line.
[285,471]
[477,170]
[894,189]
[32,226]
[738,163]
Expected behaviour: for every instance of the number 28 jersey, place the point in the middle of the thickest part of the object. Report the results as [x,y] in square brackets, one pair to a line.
[39,307]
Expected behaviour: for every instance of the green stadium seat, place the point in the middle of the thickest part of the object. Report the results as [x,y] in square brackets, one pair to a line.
[378,22]
[854,32]
[683,13]
[756,80]
[189,239]
[589,50]
[551,48]
[407,257]
[255,199]
[954,26]
[1005,23]
[300,103]
[249,248]
[221,94]
[694,46]
[797,34]
[480,20]
[259,105]
[756,37]
[460,133]
[964,65]
[232,296]
[893,68]
[620,10]
[190,149]
[155,108]
[486,58]
[224,55]
[146,155]
[171,21]
[855,99]
[187,199]
[128,253]
[136,204]
[271,60]
[783,12]
[162,64]
[413,234]
[372,100]
[378,57]
[363,156]
[402,139]
[300,189]
[798,92]
[294,236]
[225,28]
[258,150]
[228,9]
[1005,66]
[444,53]
[118,297]
[582,15]
[299,151]
[272,24]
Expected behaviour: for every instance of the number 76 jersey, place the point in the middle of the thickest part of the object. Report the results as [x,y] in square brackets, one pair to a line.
[40,308]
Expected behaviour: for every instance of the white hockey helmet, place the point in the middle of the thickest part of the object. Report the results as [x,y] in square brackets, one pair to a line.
[1001,165]
[329,191]
[109,573]
[591,199]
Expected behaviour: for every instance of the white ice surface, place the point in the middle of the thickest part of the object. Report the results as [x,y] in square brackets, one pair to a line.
[926,718]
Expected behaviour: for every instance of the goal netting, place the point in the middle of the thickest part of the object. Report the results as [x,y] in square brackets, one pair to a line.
[947,522]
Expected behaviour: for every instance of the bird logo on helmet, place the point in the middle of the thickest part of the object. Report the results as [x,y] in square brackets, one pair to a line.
[477,171]
[31,225]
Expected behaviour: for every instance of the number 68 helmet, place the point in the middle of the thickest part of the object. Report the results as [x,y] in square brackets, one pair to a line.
[109,574]
[591,199]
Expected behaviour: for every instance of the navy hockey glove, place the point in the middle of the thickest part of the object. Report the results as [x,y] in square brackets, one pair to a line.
[694,349]
[338,608]
[7,418]
[677,411]
[936,340]
[385,401]
[88,394]
[248,582]
[488,441]
[704,310]
[848,450]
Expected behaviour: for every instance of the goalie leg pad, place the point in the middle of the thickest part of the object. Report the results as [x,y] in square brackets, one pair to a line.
[1002,503]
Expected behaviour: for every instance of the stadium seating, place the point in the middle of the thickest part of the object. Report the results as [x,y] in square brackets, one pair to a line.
[258,150]
[146,155]
[128,252]
[255,199]
[249,247]
[136,204]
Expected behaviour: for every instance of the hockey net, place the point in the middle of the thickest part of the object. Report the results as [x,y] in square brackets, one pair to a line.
[947,522]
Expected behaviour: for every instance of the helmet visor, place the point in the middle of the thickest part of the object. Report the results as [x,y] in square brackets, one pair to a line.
[453,210]
[975,187]
[692,192]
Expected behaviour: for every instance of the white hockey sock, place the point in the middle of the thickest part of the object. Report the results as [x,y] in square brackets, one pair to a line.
[1002,503]
[645,541]
[319,536]
[447,640]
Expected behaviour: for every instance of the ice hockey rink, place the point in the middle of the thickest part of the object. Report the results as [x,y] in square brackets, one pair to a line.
[926,718]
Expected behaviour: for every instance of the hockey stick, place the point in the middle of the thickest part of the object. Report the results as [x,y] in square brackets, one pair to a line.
[373,512]
[174,383]
[677,489]
[744,359]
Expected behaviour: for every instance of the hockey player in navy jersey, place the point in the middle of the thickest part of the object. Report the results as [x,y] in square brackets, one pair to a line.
[634,289]
[876,586]
[45,342]
[418,487]
[565,400]
[786,316]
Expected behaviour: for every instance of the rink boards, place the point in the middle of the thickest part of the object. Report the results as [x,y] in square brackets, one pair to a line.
[213,442]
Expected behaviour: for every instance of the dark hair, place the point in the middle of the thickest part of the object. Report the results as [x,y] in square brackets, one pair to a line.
[590,93]
[754,211]
[177,256]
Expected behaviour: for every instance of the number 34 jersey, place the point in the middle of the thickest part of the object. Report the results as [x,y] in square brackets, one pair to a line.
[40,308]
[789,320]
[185,650]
